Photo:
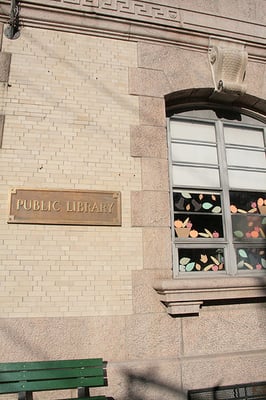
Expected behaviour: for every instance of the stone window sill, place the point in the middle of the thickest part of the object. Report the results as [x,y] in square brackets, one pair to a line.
[187,296]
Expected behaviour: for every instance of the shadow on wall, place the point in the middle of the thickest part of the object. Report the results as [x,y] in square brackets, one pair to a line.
[146,386]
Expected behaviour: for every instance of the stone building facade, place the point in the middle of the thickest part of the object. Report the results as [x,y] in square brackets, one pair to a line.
[87,88]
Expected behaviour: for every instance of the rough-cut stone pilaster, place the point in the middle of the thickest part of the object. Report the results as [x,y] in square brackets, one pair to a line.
[155,174]
[5,60]
[1,34]
[148,141]
[148,82]
[152,111]
[157,251]
[2,120]
[150,208]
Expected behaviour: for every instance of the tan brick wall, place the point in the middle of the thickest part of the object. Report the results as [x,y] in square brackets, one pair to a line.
[67,125]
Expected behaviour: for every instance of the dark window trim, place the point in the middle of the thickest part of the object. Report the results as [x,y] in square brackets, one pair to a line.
[246,391]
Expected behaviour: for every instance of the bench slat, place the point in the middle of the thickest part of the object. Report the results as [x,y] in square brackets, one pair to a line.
[97,398]
[54,384]
[87,398]
[36,365]
[51,374]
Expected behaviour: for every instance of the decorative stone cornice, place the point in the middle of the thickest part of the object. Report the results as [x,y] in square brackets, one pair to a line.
[139,20]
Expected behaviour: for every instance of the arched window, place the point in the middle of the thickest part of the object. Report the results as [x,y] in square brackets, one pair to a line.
[217,170]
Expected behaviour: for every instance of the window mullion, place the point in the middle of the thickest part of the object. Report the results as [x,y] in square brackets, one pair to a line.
[224,179]
[174,250]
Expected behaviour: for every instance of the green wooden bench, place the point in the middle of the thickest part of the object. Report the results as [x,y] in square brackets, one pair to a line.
[25,378]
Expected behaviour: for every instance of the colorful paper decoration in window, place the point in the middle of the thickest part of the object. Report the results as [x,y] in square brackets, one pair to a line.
[197,215]
[248,212]
[201,260]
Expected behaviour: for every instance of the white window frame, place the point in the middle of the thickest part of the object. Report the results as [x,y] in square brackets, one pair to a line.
[227,243]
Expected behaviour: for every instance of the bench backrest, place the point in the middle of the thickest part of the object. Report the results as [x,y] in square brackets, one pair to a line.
[51,375]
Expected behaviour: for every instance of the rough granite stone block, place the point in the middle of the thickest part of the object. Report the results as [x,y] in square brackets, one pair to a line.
[231,369]
[150,208]
[255,79]
[150,380]
[183,68]
[145,297]
[155,174]
[148,82]
[59,338]
[148,141]
[157,249]
[152,336]
[152,111]
[230,329]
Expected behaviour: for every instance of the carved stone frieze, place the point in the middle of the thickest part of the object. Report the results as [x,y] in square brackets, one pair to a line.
[122,8]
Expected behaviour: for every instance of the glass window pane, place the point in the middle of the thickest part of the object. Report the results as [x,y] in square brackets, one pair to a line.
[201,260]
[197,215]
[194,153]
[248,213]
[248,226]
[195,177]
[251,258]
[247,180]
[247,202]
[192,131]
[242,136]
[198,226]
[246,158]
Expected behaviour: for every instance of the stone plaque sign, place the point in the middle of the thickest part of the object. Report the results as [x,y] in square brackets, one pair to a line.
[64,207]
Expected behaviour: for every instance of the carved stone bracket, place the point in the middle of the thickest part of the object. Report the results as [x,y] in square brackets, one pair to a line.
[228,65]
